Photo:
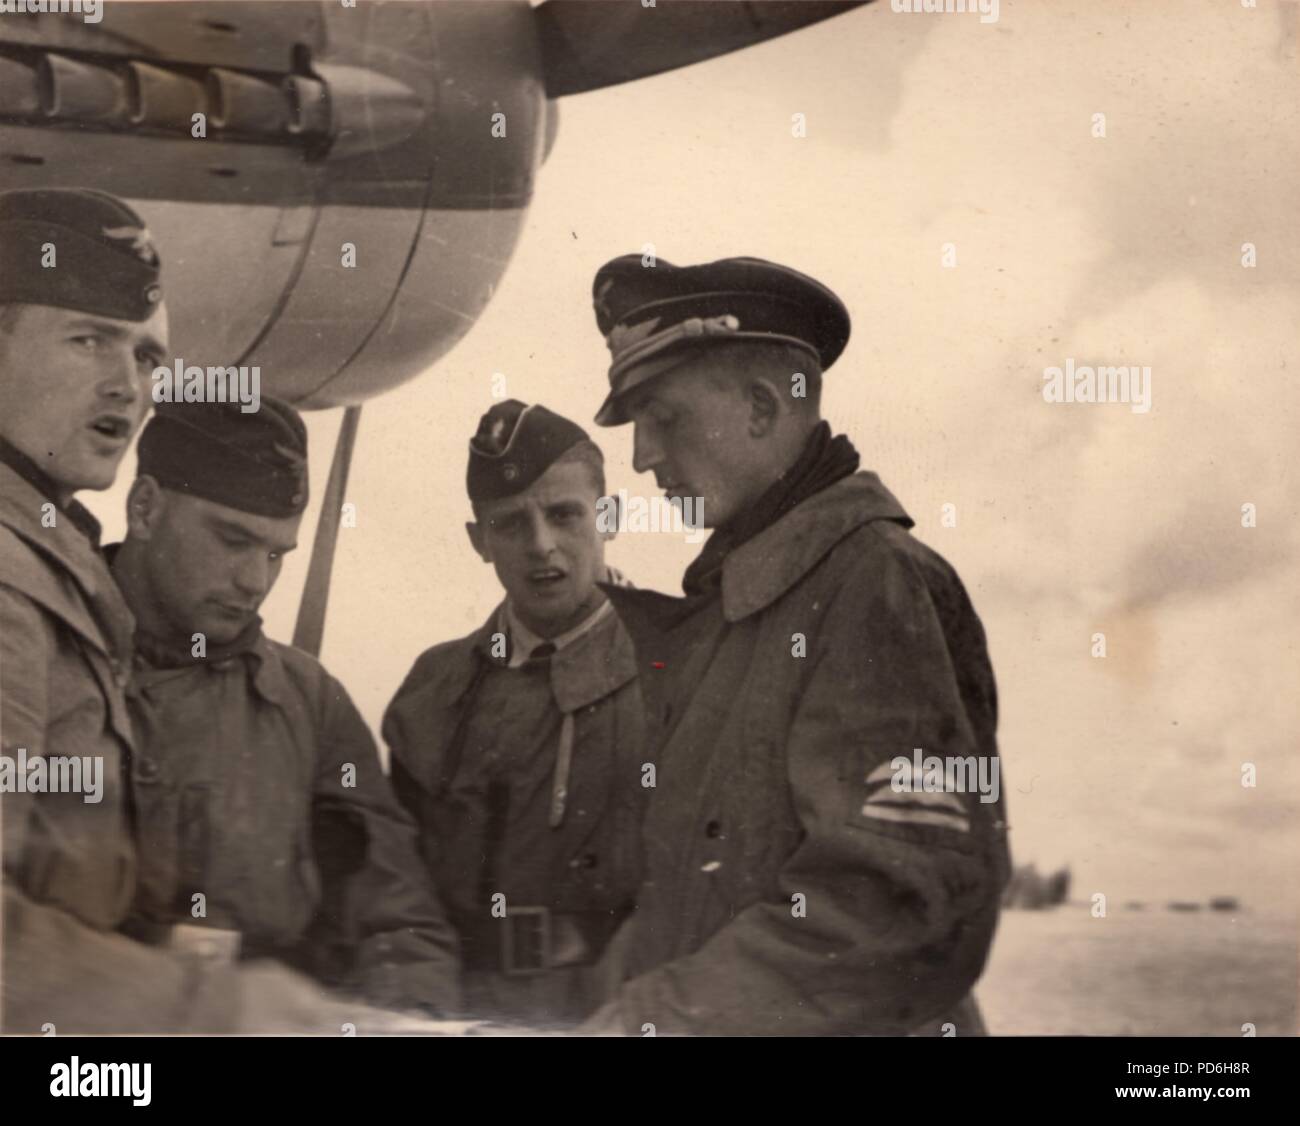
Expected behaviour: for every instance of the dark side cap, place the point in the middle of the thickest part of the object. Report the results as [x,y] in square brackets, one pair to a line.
[514,446]
[255,462]
[104,259]
[649,314]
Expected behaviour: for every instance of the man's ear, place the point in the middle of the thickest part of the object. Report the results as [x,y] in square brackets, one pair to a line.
[145,505]
[479,540]
[765,406]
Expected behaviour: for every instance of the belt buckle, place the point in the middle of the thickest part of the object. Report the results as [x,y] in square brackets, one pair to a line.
[526,946]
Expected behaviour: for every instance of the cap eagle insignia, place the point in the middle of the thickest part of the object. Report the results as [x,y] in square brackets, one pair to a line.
[140,239]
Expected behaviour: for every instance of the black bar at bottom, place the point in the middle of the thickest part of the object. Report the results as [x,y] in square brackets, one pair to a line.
[365,1074]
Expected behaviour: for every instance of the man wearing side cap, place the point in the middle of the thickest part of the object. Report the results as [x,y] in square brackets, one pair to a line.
[518,748]
[796,882]
[82,325]
[265,823]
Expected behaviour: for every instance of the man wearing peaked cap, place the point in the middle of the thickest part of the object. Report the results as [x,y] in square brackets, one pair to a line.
[257,784]
[818,645]
[82,326]
[517,748]
[653,318]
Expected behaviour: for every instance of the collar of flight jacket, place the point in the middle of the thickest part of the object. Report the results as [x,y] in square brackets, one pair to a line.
[268,674]
[263,663]
[43,483]
[62,571]
[522,641]
[764,567]
[591,667]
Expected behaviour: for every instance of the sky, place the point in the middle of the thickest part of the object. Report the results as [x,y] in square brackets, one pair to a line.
[1072,519]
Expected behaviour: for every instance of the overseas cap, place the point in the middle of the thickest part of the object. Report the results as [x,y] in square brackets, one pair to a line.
[253,462]
[646,312]
[514,446]
[105,261]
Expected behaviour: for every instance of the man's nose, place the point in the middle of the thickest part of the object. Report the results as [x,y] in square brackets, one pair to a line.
[646,453]
[120,379]
[541,536]
[253,577]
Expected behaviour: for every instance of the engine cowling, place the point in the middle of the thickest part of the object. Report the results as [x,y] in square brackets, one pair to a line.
[331,192]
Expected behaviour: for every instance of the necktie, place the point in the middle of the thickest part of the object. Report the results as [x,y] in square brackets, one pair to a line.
[564,753]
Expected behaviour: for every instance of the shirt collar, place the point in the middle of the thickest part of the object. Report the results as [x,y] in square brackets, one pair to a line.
[591,661]
[597,660]
[522,640]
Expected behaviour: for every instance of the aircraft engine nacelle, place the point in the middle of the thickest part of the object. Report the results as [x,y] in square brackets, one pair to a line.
[335,188]
[335,191]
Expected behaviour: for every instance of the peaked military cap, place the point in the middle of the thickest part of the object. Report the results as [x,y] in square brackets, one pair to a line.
[255,462]
[649,314]
[104,258]
[514,446]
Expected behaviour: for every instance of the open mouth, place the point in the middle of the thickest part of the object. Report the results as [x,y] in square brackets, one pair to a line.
[546,577]
[111,426]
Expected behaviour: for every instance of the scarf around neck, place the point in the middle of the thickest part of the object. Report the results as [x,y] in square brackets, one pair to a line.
[175,653]
[824,461]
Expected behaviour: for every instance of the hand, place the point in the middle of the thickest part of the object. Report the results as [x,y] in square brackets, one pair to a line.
[275,1000]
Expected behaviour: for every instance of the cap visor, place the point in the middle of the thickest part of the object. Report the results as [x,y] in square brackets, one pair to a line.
[652,367]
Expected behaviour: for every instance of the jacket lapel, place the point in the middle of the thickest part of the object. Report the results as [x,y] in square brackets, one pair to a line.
[595,665]
[762,569]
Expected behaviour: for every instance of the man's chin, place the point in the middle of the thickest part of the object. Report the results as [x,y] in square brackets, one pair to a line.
[548,618]
[700,512]
[98,467]
[95,479]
